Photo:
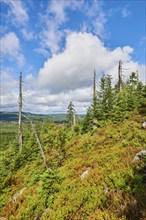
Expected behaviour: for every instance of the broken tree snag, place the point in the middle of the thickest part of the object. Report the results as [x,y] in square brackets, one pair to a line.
[74,118]
[94,101]
[39,144]
[120,83]
[94,85]
[20,114]
[38,141]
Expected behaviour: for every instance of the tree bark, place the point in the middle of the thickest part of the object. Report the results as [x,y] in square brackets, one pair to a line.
[20,114]
[38,141]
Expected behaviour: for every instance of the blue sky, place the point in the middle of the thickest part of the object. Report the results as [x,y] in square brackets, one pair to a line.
[57,45]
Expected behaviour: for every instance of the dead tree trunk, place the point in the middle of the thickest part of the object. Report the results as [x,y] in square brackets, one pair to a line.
[20,114]
[120,83]
[74,119]
[94,92]
[39,144]
[38,141]
[94,101]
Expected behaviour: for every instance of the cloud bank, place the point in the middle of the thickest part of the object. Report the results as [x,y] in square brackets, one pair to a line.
[69,35]
[84,52]
[68,76]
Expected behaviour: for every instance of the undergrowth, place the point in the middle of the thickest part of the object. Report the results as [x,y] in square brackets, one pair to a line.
[112,189]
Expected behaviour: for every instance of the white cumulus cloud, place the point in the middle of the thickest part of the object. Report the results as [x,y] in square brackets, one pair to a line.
[73,68]
[57,15]
[8,96]
[10,48]
[51,36]
[68,75]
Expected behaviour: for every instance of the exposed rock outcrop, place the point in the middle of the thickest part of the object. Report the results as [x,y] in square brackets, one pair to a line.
[139,155]
[85,173]
[144,124]
[16,195]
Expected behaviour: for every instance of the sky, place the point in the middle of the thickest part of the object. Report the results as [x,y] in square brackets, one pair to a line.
[57,45]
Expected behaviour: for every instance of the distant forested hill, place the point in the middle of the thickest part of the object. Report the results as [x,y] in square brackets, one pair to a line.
[13,116]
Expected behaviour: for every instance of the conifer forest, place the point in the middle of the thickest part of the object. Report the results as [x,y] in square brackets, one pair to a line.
[87,168]
[72,109]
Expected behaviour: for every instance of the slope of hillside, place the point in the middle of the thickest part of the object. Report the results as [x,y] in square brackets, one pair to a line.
[90,176]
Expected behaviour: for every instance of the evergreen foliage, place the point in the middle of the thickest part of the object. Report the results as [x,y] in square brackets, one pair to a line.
[87,121]
[113,187]
[112,105]
[105,98]
[70,114]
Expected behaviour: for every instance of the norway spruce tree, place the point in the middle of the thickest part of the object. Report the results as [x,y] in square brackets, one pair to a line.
[120,107]
[105,98]
[70,114]
[88,120]
[134,91]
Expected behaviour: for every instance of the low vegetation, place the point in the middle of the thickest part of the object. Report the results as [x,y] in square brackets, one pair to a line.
[91,173]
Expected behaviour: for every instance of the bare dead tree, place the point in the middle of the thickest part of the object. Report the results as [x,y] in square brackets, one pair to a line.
[120,82]
[94,85]
[20,114]
[37,140]
[74,118]
[94,100]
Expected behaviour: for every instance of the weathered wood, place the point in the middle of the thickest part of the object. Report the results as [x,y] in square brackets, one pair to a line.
[20,114]
[94,85]
[120,83]
[94,101]
[39,144]
[74,119]
[37,140]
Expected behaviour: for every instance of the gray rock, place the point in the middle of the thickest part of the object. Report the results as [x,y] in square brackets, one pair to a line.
[85,173]
[144,124]
[106,190]
[16,195]
[139,155]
